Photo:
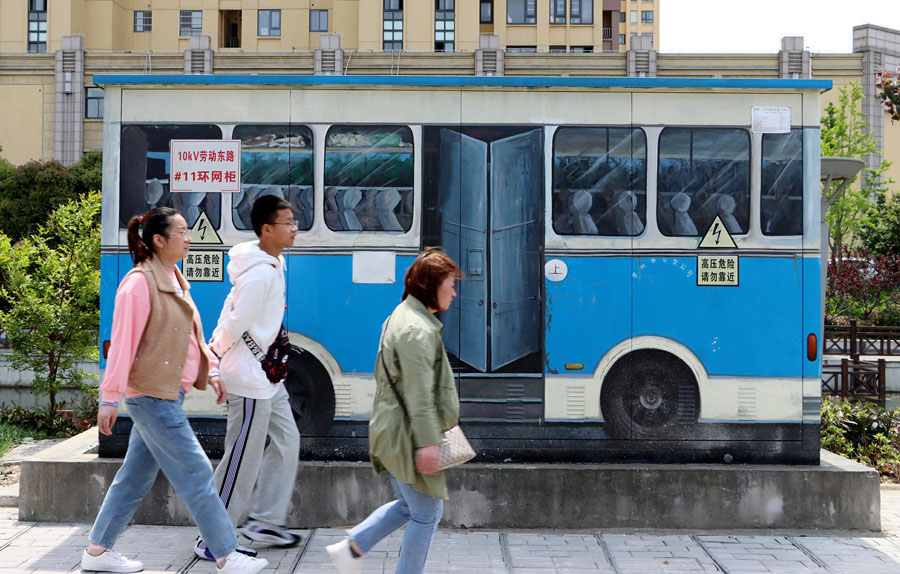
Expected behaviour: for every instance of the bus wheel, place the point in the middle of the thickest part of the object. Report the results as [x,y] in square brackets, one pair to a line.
[311,393]
[650,394]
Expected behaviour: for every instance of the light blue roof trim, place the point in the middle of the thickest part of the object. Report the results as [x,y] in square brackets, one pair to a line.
[450,81]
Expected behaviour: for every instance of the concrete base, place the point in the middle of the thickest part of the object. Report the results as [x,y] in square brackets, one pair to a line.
[67,482]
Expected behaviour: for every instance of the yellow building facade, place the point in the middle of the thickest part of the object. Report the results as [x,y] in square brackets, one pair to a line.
[50,49]
[297,25]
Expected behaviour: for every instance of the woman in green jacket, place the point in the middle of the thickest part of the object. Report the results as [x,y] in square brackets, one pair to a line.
[413,353]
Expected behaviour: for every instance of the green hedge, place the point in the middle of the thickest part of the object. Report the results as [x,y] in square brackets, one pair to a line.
[863,432]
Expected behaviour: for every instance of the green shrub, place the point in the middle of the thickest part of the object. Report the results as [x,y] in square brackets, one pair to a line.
[863,432]
[11,435]
[67,421]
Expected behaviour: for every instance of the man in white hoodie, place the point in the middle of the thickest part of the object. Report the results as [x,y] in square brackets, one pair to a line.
[254,478]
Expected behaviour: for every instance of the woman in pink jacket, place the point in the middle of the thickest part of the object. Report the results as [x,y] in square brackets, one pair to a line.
[157,354]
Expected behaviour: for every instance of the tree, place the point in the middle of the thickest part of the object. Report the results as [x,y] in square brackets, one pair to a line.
[860,283]
[880,232]
[88,172]
[845,134]
[890,93]
[30,192]
[51,282]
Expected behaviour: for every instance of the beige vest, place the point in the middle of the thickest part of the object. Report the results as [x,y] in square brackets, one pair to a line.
[159,361]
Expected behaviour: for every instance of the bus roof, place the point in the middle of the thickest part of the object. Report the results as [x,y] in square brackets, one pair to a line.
[456,81]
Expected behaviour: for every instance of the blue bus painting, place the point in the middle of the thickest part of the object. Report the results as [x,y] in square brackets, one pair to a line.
[641,265]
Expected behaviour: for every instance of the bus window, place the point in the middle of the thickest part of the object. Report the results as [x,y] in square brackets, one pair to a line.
[144,169]
[599,181]
[781,205]
[703,172]
[369,178]
[275,160]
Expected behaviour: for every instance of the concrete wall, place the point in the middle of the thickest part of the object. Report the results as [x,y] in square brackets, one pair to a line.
[67,484]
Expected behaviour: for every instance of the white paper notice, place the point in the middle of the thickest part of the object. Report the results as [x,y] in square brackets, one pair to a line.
[374,266]
[770,120]
[205,166]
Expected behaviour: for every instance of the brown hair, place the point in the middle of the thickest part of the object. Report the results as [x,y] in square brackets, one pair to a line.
[154,222]
[427,273]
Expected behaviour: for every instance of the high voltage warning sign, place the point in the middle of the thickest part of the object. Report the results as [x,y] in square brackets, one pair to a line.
[717,270]
[203,232]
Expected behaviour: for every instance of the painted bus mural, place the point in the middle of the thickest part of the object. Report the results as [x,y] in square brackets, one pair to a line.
[641,256]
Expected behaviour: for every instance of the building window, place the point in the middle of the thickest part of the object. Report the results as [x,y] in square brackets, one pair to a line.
[318,20]
[647,16]
[37,26]
[143,20]
[634,16]
[190,22]
[581,11]
[621,39]
[268,23]
[521,11]
[557,49]
[521,49]
[93,103]
[487,11]
[557,11]
[444,25]
[393,25]
[582,50]
[621,16]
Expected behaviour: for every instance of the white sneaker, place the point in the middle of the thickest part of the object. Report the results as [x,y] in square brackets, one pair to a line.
[342,557]
[109,561]
[237,563]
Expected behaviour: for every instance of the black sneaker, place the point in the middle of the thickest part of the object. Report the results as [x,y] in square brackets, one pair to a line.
[203,552]
[266,533]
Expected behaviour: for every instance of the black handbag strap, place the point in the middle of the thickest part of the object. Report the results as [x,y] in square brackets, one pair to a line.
[388,373]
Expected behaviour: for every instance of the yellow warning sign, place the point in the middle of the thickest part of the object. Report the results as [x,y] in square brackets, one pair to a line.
[717,271]
[203,231]
[717,237]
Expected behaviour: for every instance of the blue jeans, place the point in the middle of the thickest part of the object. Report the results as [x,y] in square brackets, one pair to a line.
[162,438]
[420,510]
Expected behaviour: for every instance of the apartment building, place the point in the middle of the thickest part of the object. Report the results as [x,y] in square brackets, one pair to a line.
[50,49]
[37,26]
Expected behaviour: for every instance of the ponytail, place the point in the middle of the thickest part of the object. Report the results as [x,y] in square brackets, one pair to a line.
[154,222]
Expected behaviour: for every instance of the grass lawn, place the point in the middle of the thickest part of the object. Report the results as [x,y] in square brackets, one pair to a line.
[12,435]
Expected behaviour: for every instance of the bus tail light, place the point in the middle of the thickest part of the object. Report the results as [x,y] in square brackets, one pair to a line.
[812,347]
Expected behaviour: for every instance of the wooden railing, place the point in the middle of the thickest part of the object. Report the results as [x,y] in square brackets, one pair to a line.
[854,379]
[854,340]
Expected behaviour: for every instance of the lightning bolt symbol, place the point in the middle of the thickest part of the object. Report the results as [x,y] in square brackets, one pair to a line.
[717,232]
[202,230]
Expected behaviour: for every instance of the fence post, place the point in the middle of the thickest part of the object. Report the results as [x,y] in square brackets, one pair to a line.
[854,345]
[845,387]
[881,379]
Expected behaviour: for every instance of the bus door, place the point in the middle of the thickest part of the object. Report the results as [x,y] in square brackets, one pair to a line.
[488,183]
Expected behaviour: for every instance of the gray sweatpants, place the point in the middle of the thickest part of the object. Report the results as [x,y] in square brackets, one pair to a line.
[254,479]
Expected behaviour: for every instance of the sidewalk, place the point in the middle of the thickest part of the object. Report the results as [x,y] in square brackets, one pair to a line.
[27,547]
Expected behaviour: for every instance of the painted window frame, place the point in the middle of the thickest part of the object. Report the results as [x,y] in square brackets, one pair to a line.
[186,23]
[315,21]
[37,27]
[91,97]
[270,30]
[143,21]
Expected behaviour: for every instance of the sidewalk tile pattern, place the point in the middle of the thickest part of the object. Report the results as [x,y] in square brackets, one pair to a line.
[44,548]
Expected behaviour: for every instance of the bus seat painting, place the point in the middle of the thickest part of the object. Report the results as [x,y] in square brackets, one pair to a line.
[596,320]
